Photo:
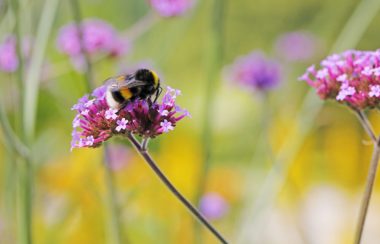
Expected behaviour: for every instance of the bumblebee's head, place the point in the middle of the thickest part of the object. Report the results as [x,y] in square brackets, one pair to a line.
[149,76]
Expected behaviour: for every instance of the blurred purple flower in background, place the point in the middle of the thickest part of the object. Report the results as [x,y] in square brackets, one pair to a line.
[213,206]
[171,8]
[255,71]
[297,46]
[351,77]
[8,56]
[119,157]
[95,122]
[99,37]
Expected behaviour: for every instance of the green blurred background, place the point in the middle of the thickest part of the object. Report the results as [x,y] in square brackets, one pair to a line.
[318,200]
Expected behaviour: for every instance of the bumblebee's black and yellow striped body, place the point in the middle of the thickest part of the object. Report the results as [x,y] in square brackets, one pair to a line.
[143,84]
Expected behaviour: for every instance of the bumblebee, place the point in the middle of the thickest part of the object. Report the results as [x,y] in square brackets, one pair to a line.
[142,84]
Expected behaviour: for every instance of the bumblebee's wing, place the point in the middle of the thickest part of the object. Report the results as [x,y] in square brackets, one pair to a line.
[124,81]
[133,83]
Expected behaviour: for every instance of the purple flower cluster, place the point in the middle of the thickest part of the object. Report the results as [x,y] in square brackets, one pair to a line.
[98,37]
[352,78]
[171,8]
[255,71]
[297,46]
[8,56]
[96,122]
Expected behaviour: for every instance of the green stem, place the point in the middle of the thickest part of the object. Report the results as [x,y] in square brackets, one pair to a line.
[25,201]
[33,74]
[366,125]
[7,22]
[115,228]
[18,34]
[9,199]
[20,70]
[368,191]
[11,140]
[262,146]
[141,26]
[213,68]
[371,174]
[356,25]
[24,183]
[75,6]
[114,221]
[29,94]
[148,159]
[213,62]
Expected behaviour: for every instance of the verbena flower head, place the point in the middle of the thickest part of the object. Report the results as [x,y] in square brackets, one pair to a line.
[255,71]
[170,8]
[8,56]
[98,37]
[297,46]
[351,77]
[213,206]
[95,122]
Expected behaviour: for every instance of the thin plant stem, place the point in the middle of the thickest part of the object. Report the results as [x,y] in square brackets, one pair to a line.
[368,191]
[7,22]
[213,64]
[75,6]
[356,25]
[115,229]
[24,180]
[33,73]
[20,69]
[115,225]
[9,200]
[144,145]
[25,197]
[18,34]
[11,139]
[29,111]
[366,125]
[148,159]
[262,146]
[371,174]
[141,26]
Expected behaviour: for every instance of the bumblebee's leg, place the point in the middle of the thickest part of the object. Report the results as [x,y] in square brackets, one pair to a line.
[150,103]
[158,92]
[122,106]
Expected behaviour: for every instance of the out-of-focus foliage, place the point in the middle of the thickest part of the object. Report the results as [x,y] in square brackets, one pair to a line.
[69,195]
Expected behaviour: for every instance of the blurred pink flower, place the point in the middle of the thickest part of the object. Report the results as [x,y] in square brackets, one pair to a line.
[213,206]
[255,71]
[119,157]
[297,46]
[170,8]
[351,77]
[98,37]
[8,56]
